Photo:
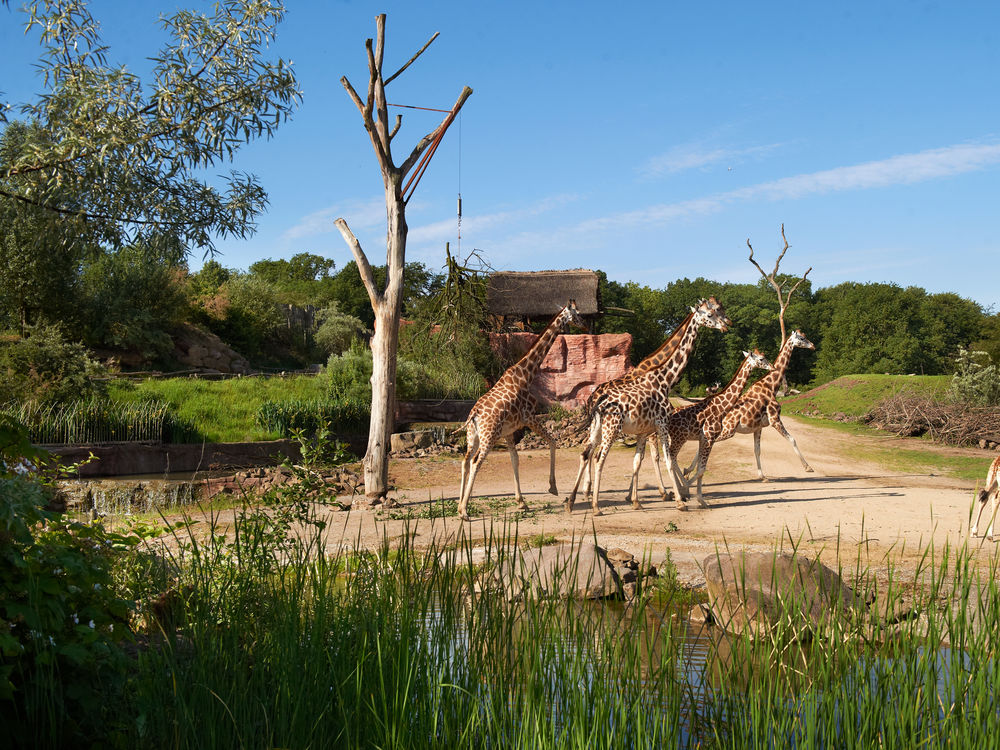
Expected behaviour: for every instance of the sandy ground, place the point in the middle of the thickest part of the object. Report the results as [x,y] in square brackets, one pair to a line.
[848,505]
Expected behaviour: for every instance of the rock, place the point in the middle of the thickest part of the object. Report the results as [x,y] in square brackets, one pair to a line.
[561,571]
[626,573]
[404,441]
[205,351]
[751,592]
[617,556]
[574,366]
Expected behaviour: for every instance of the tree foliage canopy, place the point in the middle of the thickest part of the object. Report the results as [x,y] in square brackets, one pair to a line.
[120,159]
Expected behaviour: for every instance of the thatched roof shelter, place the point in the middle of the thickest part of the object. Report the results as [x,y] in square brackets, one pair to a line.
[538,294]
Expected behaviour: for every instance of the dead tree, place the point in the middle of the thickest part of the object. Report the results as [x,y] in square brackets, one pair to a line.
[784,298]
[387,303]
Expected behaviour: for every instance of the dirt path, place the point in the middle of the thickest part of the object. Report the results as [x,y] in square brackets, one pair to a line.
[850,502]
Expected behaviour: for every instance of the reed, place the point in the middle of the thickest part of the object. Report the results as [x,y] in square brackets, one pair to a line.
[99,421]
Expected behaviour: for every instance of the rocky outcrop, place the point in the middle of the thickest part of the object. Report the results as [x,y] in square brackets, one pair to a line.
[752,592]
[205,351]
[574,366]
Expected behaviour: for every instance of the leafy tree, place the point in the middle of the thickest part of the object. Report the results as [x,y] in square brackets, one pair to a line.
[133,297]
[208,281]
[349,292]
[337,331]
[250,315]
[124,159]
[303,280]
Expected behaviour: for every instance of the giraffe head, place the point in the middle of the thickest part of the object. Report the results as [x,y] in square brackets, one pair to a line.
[709,313]
[569,316]
[757,360]
[797,338]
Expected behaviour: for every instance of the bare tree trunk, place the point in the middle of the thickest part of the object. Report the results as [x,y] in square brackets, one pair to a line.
[387,303]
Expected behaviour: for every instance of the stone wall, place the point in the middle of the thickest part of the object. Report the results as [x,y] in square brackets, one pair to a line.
[574,366]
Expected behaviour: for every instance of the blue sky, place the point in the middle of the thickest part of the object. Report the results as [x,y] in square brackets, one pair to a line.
[647,140]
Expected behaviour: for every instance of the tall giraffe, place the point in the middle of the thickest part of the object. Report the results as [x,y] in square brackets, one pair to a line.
[703,421]
[507,407]
[663,354]
[990,492]
[641,406]
[758,407]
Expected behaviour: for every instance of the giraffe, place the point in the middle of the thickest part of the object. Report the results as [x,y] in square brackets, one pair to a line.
[758,407]
[507,407]
[663,354]
[642,406]
[990,492]
[703,421]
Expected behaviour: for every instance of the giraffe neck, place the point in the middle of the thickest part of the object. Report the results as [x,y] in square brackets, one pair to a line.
[528,365]
[674,366]
[774,377]
[732,391]
[666,350]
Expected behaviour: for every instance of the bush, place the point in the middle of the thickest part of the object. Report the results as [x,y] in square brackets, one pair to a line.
[346,414]
[348,375]
[45,367]
[60,621]
[977,380]
[337,331]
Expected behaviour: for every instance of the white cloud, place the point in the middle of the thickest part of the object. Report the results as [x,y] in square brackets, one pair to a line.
[696,156]
[360,216]
[905,169]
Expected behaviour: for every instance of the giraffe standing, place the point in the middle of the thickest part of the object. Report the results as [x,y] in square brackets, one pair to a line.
[758,407]
[663,354]
[641,406]
[990,491]
[507,407]
[703,421]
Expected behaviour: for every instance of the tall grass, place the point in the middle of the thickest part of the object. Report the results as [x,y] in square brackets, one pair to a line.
[347,414]
[273,643]
[99,421]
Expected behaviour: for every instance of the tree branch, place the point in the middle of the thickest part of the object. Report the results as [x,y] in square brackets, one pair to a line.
[364,267]
[783,300]
[436,133]
[409,62]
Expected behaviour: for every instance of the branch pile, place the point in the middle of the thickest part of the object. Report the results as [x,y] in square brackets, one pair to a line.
[908,415]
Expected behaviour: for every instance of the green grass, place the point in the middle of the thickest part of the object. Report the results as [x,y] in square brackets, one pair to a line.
[222,411]
[854,395]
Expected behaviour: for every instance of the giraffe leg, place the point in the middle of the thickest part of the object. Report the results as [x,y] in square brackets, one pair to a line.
[672,470]
[775,419]
[484,444]
[704,450]
[684,484]
[585,463]
[633,488]
[517,479]
[756,455]
[536,425]
[471,448]
[655,451]
[610,430]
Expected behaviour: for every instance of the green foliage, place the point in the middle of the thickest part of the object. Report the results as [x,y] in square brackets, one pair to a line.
[345,414]
[305,279]
[125,158]
[61,620]
[348,291]
[46,368]
[336,331]
[348,376]
[976,380]
[133,297]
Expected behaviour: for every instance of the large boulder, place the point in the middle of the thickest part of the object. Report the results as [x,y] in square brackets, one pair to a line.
[202,350]
[751,592]
[580,571]
[573,367]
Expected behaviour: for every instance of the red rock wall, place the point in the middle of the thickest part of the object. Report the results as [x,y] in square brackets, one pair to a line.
[574,366]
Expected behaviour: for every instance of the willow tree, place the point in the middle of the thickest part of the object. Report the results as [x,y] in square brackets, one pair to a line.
[386,302]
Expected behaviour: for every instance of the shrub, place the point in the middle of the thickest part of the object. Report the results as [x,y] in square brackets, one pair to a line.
[337,331]
[345,414]
[976,381]
[45,367]
[60,621]
[348,375]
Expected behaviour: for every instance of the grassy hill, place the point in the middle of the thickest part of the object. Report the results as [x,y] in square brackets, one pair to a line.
[854,395]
